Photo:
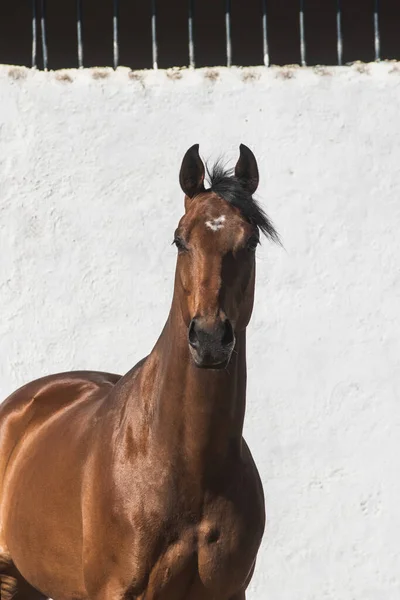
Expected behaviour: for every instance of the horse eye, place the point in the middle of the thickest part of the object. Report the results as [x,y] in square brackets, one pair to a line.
[252,243]
[180,244]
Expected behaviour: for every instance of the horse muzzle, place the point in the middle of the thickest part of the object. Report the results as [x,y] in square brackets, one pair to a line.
[211,344]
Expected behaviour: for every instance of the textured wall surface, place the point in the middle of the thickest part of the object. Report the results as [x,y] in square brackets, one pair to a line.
[89,199]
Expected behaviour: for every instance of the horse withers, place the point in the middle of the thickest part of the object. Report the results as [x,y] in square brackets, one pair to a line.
[142,486]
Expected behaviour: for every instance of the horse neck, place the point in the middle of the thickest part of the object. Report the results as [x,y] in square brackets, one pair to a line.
[196,413]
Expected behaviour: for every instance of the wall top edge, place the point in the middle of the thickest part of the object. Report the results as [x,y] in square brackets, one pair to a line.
[211,74]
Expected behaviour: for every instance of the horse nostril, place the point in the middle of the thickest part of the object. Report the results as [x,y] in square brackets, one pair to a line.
[192,335]
[228,335]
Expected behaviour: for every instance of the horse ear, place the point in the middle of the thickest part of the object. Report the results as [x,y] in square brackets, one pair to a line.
[246,169]
[191,176]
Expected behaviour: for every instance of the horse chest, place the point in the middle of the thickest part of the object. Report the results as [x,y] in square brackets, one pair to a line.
[210,559]
[186,571]
[204,543]
[228,541]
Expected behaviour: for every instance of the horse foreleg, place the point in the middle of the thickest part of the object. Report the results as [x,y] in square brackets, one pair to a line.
[14,587]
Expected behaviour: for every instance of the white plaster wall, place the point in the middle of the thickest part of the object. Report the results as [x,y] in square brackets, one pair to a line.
[89,199]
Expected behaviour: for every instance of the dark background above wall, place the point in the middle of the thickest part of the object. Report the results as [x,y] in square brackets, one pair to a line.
[210,43]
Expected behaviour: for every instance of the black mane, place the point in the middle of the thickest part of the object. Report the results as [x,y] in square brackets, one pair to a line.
[224,183]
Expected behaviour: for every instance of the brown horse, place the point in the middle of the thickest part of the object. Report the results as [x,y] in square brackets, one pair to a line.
[142,487]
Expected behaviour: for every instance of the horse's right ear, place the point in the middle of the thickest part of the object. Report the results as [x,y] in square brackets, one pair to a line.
[191,176]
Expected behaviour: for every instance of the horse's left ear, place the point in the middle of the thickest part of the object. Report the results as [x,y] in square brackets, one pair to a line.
[246,169]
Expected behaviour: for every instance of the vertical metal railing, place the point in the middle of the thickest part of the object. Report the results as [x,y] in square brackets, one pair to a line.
[79,34]
[302,36]
[115,34]
[377,31]
[39,30]
[192,62]
[228,33]
[34,34]
[339,32]
[43,34]
[154,33]
[265,33]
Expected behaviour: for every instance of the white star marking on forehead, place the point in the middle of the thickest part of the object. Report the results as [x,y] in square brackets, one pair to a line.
[216,224]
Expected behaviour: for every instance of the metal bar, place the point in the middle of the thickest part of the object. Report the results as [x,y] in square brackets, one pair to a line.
[265,33]
[79,32]
[302,36]
[115,34]
[43,30]
[34,35]
[339,33]
[228,33]
[154,34]
[192,63]
[377,32]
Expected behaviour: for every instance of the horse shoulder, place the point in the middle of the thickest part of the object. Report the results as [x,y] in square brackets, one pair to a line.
[36,402]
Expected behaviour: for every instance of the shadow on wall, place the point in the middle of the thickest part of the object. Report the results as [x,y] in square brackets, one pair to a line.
[172,36]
